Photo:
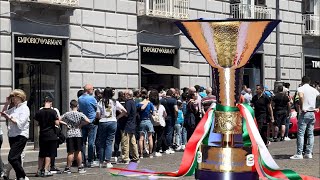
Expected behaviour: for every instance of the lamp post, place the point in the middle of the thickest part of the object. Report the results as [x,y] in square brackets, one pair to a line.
[278,59]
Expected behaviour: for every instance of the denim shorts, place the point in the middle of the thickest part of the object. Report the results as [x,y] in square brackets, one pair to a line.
[146,126]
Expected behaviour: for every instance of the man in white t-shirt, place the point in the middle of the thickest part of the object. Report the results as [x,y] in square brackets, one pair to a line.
[307,97]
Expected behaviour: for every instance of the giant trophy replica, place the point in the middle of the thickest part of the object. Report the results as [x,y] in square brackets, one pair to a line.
[227,45]
[226,143]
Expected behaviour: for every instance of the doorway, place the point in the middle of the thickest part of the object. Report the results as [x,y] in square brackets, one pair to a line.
[38,79]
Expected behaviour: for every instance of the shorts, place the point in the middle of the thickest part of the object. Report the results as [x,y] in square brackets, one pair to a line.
[48,148]
[146,126]
[280,118]
[74,144]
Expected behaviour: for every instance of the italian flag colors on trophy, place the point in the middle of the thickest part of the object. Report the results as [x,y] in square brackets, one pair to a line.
[226,143]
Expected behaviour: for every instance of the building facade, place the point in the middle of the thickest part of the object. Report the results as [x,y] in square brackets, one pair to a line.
[55,47]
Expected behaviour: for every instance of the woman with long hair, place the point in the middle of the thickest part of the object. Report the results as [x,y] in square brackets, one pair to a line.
[106,113]
[145,110]
[159,140]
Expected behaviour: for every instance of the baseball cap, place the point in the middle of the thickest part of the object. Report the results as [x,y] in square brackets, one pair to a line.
[48,99]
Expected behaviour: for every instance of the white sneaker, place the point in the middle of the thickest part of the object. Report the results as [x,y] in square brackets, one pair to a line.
[287,138]
[157,154]
[178,148]
[109,165]
[169,151]
[296,156]
[308,156]
[183,147]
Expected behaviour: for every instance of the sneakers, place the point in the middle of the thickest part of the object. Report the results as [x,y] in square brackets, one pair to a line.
[123,162]
[67,170]
[308,156]
[40,173]
[169,151]
[47,174]
[296,156]
[55,170]
[282,139]
[178,148]
[150,156]
[287,138]
[157,154]
[109,165]
[81,170]
[183,147]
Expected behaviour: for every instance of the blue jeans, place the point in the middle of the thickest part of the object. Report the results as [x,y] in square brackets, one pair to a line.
[178,135]
[184,136]
[306,121]
[107,132]
[88,132]
[169,131]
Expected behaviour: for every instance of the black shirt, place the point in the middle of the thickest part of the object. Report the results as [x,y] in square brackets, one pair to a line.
[130,126]
[169,103]
[260,105]
[122,120]
[280,102]
[46,118]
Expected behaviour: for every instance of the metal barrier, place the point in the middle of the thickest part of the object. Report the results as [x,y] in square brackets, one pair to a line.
[245,11]
[176,9]
[311,24]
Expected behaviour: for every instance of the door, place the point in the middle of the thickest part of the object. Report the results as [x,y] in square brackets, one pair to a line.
[38,79]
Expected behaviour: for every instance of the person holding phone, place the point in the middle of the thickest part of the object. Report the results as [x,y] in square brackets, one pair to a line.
[18,129]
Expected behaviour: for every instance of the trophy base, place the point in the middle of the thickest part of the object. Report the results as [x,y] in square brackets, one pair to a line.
[206,175]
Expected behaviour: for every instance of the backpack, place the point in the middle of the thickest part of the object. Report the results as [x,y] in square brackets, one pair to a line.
[155,119]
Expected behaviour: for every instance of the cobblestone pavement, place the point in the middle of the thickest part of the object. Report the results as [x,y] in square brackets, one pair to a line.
[281,152]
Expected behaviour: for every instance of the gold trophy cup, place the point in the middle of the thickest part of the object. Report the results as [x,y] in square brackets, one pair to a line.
[227,45]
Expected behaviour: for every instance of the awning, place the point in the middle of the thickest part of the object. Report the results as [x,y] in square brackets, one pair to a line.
[171,70]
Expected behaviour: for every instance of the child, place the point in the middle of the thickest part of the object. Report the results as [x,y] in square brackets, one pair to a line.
[74,120]
[178,126]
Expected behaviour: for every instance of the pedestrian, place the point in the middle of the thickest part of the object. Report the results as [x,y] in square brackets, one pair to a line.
[74,121]
[48,120]
[88,106]
[184,98]
[307,97]
[120,127]
[106,114]
[146,129]
[208,100]
[248,96]
[170,104]
[128,138]
[159,123]
[178,126]
[199,114]
[18,129]
[53,168]
[262,109]
[281,113]
[192,111]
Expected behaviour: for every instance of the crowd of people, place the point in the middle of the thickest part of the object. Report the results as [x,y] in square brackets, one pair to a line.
[144,123]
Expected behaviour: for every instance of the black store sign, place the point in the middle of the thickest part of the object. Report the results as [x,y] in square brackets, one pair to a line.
[312,63]
[38,47]
[158,50]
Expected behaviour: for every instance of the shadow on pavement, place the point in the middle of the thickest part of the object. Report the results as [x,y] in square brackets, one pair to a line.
[282,156]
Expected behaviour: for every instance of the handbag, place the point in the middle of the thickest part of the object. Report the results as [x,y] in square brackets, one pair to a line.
[60,135]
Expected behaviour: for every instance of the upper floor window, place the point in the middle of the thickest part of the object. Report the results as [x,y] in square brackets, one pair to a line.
[250,2]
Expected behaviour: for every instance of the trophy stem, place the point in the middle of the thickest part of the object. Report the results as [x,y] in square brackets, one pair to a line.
[227,83]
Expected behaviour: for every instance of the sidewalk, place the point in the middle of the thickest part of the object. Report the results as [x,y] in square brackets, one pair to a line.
[31,155]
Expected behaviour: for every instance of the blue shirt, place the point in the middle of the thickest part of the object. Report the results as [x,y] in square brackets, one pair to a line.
[145,114]
[180,118]
[88,106]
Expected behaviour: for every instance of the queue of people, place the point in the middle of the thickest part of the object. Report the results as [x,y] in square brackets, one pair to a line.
[144,123]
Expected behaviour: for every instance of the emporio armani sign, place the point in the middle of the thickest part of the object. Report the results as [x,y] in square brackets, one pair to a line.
[39,40]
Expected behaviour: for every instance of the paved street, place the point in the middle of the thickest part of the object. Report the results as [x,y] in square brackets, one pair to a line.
[280,150]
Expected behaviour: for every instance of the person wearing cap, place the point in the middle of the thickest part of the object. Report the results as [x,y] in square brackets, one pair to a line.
[53,168]
[18,129]
[47,119]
